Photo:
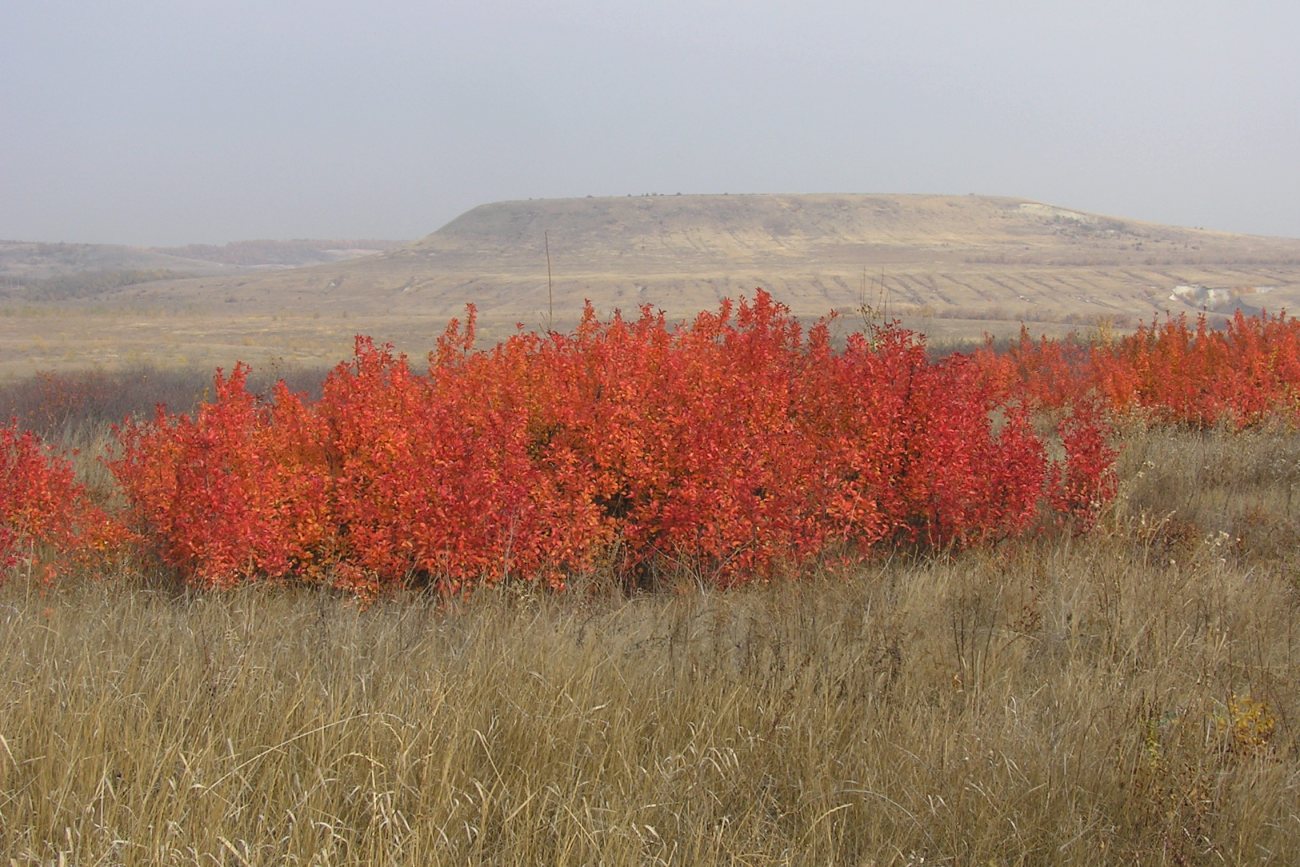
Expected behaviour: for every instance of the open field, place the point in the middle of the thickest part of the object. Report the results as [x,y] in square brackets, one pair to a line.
[953,267]
[1122,697]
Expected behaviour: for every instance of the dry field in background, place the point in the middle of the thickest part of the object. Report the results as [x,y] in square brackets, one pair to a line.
[1123,697]
[953,267]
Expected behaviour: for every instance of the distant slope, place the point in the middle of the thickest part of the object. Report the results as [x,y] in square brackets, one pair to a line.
[61,270]
[25,262]
[281,254]
[952,266]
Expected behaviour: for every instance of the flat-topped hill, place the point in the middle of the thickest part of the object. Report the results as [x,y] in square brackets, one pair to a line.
[723,229]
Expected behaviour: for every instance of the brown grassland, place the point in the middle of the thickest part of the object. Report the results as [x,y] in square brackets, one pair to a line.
[1127,696]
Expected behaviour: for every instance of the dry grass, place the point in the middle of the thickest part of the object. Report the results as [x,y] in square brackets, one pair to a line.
[1124,697]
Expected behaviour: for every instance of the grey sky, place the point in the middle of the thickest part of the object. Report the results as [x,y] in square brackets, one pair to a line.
[170,121]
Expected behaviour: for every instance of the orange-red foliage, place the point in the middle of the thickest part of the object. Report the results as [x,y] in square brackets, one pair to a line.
[1173,371]
[41,504]
[737,443]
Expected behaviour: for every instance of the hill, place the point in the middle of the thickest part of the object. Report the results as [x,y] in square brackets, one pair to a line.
[980,258]
[953,266]
[32,271]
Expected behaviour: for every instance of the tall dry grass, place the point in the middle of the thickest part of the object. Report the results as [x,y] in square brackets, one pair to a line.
[1125,697]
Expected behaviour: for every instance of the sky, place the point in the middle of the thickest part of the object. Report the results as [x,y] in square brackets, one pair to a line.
[177,121]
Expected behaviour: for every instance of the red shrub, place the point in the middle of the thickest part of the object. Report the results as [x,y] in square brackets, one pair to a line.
[42,505]
[737,443]
[1087,480]
[1242,375]
[237,491]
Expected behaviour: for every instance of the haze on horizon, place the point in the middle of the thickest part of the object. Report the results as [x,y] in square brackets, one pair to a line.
[158,123]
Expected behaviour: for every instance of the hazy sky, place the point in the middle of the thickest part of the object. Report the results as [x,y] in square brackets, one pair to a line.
[171,121]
